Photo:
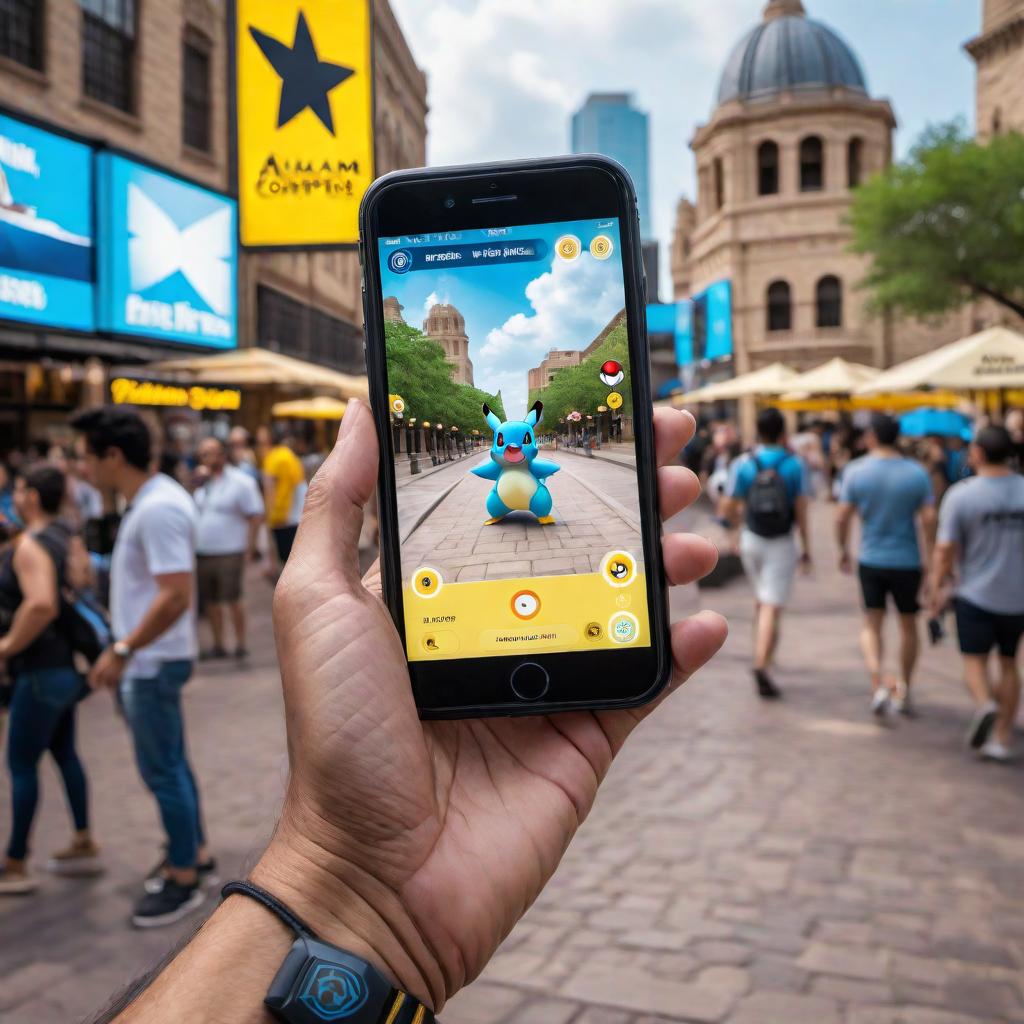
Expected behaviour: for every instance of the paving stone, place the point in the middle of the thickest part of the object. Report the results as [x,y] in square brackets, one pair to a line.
[846,961]
[785,1008]
[714,951]
[853,991]
[545,1011]
[483,1003]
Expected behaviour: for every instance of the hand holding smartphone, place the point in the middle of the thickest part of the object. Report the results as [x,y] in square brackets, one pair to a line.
[506,343]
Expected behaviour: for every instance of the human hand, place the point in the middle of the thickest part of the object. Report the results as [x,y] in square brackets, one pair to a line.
[107,671]
[422,843]
[845,563]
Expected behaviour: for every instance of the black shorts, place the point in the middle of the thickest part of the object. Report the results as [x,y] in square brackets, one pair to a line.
[876,583]
[981,630]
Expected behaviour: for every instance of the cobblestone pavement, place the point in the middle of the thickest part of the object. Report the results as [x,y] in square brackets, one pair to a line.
[588,523]
[746,863]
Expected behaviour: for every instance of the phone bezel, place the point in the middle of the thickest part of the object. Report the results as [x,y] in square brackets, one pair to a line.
[551,190]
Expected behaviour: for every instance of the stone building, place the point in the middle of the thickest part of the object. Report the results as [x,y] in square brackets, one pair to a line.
[794,129]
[150,78]
[998,53]
[393,310]
[447,326]
[539,377]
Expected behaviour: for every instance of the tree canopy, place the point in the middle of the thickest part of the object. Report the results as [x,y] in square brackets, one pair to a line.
[946,226]
[580,388]
[419,372]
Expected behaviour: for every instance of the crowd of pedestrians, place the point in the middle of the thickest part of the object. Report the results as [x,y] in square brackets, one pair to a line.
[110,556]
[941,529]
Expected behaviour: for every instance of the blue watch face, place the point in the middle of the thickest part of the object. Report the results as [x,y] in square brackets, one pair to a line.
[334,992]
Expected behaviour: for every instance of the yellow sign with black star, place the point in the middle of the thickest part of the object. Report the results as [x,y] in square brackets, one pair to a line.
[304,120]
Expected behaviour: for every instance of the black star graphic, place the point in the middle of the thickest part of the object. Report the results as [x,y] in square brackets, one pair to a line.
[306,81]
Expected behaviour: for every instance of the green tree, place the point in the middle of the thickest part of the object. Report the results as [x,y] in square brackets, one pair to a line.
[419,372]
[580,387]
[946,226]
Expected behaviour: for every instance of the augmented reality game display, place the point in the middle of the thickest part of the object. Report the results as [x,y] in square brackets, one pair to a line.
[512,435]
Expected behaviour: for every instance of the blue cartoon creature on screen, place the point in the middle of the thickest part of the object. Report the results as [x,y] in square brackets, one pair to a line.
[517,473]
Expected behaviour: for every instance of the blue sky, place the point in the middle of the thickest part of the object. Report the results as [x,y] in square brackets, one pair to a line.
[517,312]
[506,75]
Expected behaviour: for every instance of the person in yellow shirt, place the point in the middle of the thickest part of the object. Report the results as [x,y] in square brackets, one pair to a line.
[283,477]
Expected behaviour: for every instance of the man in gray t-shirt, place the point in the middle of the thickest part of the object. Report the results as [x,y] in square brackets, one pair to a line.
[981,531]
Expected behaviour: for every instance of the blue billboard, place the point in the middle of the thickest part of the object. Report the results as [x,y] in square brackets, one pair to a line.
[46,228]
[169,256]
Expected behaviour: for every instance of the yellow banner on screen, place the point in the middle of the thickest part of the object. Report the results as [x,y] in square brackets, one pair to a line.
[531,615]
[304,107]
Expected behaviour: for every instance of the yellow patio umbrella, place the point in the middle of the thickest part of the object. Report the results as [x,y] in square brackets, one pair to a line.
[319,408]
[836,377]
[767,380]
[260,366]
[991,359]
[883,403]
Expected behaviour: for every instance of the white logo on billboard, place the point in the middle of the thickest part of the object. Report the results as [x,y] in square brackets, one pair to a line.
[159,248]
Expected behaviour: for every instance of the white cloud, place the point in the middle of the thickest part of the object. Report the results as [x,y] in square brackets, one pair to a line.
[570,304]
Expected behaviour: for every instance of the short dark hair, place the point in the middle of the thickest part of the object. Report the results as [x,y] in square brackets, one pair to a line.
[48,482]
[770,425]
[995,443]
[282,433]
[111,426]
[886,428]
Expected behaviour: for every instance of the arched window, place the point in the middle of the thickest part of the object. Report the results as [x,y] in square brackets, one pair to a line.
[854,162]
[780,306]
[828,298]
[767,169]
[812,164]
[718,171]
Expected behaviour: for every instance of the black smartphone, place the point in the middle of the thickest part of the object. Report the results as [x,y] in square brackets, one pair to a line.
[510,382]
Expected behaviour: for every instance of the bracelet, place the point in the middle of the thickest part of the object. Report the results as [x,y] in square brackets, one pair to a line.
[322,982]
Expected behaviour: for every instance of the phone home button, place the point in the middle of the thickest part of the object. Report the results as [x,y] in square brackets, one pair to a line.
[529,681]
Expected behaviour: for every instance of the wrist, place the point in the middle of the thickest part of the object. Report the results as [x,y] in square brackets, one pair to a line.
[348,908]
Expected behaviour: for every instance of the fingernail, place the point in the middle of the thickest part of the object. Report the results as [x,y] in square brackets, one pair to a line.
[351,411]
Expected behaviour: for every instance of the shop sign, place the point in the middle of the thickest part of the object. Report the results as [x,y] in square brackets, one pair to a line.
[303,106]
[46,228]
[169,256]
[125,391]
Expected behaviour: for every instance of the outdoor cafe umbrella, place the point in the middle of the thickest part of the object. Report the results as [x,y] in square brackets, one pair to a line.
[767,380]
[319,408]
[836,377]
[260,366]
[991,359]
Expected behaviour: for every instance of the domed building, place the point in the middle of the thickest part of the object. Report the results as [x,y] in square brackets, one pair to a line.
[447,326]
[794,130]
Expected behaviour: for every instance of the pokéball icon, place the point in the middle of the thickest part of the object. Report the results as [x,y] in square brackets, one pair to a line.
[611,373]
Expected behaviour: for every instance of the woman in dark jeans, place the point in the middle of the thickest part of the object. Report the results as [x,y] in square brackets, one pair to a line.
[46,684]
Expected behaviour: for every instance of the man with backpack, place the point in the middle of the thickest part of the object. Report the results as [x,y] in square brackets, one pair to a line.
[891,494]
[152,582]
[40,653]
[768,493]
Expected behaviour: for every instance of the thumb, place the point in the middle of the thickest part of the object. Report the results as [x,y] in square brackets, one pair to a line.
[328,537]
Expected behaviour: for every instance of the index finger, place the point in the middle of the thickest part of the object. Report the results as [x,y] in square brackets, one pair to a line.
[673,431]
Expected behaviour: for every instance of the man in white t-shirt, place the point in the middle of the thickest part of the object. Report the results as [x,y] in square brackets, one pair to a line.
[152,581]
[230,515]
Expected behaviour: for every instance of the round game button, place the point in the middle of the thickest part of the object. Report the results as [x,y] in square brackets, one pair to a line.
[614,400]
[601,247]
[623,627]
[618,568]
[568,247]
[426,582]
[525,604]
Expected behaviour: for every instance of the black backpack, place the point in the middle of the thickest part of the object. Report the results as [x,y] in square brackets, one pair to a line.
[769,506]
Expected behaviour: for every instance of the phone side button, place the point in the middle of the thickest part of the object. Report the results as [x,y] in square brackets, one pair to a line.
[529,681]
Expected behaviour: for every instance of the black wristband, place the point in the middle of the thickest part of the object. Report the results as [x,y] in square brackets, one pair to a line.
[321,982]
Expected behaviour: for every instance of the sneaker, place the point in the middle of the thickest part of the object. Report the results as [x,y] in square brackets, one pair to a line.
[208,877]
[880,701]
[213,654]
[242,653]
[981,725]
[16,882]
[80,860]
[994,750]
[901,703]
[766,688]
[170,904]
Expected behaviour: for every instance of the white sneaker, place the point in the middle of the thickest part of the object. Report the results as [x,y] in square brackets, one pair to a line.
[981,724]
[880,702]
[993,750]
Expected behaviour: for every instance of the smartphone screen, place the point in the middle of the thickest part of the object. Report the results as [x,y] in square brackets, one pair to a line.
[511,415]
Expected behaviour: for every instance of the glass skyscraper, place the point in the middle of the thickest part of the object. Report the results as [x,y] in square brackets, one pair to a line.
[608,123]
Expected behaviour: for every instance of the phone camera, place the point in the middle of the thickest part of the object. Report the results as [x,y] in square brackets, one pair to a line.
[449,202]
[493,186]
